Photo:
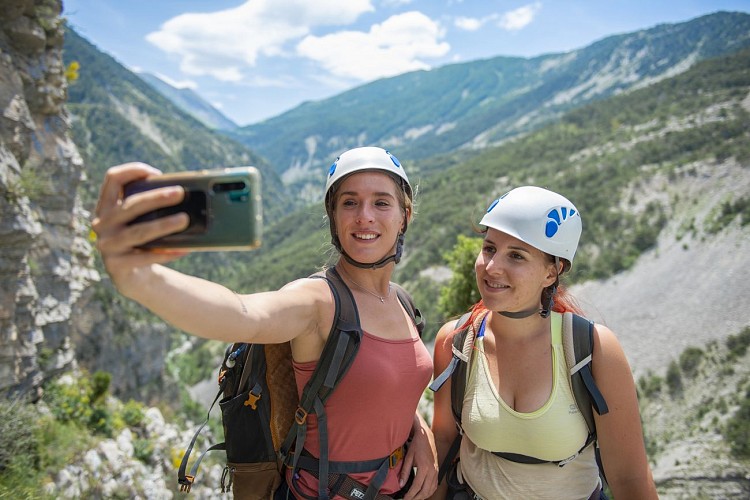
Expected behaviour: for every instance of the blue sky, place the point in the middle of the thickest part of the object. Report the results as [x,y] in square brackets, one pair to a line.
[254,59]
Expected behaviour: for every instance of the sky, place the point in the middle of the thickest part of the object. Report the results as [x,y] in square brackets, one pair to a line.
[255,59]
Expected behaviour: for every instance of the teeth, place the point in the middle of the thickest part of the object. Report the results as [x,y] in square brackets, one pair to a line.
[368,236]
[495,285]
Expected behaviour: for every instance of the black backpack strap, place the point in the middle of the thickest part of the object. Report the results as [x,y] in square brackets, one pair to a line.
[456,371]
[587,394]
[581,375]
[405,298]
[338,354]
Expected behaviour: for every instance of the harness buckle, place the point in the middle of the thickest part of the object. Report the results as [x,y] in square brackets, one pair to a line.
[566,461]
[394,457]
[300,416]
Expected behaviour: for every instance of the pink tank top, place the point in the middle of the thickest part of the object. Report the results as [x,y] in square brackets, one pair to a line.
[371,412]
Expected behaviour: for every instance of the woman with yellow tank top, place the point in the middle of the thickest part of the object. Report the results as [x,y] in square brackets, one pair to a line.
[523,434]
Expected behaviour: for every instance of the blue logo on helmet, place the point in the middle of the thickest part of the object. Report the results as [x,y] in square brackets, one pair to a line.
[394,159]
[494,203]
[333,168]
[555,218]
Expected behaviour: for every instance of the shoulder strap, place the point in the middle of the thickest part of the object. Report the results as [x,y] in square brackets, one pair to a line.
[456,370]
[338,354]
[578,345]
[405,298]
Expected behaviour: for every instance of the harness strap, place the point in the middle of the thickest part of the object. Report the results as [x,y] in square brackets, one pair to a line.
[449,457]
[527,459]
[340,483]
[443,377]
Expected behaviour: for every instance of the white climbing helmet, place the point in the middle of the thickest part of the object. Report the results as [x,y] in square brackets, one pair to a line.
[366,158]
[545,220]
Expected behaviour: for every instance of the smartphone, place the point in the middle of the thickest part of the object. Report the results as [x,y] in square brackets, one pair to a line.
[224,206]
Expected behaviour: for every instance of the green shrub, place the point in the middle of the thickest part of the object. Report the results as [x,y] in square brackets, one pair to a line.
[461,292]
[143,450]
[132,413]
[18,429]
[737,432]
[738,344]
[101,420]
[82,402]
[650,384]
[690,359]
[674,378]
[69,402]
[100,385]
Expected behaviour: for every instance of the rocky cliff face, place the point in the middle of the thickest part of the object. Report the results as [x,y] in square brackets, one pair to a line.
[46,260]
[55,314]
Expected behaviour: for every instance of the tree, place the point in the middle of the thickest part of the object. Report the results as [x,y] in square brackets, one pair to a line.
[461,292]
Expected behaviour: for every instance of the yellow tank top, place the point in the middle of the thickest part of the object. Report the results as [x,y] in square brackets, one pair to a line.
[554,432]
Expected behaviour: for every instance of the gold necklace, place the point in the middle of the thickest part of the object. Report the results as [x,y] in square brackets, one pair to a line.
[380,297]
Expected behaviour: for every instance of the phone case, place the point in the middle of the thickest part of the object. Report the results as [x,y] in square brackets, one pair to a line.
[224,206]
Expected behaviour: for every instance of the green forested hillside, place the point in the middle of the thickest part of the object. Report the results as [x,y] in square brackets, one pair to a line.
[597,156]
[117,117]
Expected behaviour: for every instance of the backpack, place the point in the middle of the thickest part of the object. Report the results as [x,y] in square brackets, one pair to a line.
[265,422]
[578,346]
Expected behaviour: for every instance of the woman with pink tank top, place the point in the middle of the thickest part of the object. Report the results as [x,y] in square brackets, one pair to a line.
[373,412]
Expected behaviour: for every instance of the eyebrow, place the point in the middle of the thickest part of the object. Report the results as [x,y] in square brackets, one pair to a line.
[512,247]
[378,194]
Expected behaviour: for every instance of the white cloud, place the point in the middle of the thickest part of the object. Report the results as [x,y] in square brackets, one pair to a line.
[468,23]
[399,44]
[223,43]
[517,19]
[473,23]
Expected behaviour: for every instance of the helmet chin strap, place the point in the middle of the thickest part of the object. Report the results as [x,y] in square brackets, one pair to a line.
[520,314]
[395,258]
[548,300]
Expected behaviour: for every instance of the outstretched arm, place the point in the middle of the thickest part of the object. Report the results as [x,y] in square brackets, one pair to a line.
[619,431]
[192,304]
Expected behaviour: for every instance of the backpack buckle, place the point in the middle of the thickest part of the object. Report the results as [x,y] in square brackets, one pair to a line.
[300,416]
[394,457]
[252,400]
[186,483]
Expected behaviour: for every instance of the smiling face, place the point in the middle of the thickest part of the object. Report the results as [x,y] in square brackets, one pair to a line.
[368,216]
[510,273]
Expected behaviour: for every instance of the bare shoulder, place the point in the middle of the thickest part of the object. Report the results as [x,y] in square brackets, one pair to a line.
[609,359]
[444,336]
[317,296]
[317,289]
[443,344]
[606,342]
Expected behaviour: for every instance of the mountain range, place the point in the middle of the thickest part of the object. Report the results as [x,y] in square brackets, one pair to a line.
[472,105]
[187,100]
